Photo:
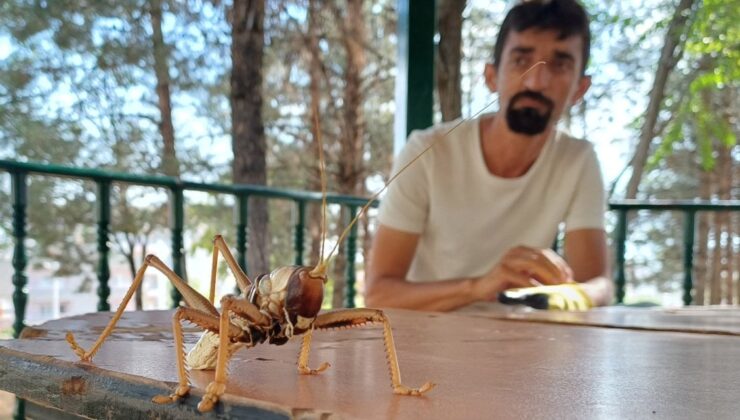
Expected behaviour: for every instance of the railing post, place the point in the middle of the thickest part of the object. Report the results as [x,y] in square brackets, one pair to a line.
[242,211]
[20,297]
[351,250]
[414,90]
[300,227]
[19,412]
[621,239]
[688,255]
[103,230]
[177,222]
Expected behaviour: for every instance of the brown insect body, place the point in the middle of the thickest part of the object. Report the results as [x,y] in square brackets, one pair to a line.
[290,296]
[274,308]
[294,292]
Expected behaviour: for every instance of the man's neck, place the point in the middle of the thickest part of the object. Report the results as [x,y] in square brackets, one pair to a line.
[508,154]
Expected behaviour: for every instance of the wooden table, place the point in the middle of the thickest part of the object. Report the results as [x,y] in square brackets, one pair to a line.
[615,363]
[723,320]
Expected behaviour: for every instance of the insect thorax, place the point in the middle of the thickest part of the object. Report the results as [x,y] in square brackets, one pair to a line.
[291,298]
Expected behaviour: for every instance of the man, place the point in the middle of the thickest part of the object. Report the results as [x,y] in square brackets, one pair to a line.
[476,214]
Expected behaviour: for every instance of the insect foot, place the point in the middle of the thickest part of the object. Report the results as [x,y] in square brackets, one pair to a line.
[214,390]
[304,370]
[180,391]
[79,351]
[404,390]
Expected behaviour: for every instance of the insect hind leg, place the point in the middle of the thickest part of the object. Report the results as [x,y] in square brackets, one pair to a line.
[191,296]
[242,280]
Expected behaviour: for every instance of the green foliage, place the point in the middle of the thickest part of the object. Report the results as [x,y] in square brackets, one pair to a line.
[711,69]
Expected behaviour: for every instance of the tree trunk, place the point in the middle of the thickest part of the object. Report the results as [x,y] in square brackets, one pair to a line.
[247,130]
[367,242]
[729,110]
[315,215]
[448,57]
[170,165]
[701,265]
[350,164]
[339,271]
[734,251]
[724,183]
[715,284]
[735,254]
[139,295]
[734,245]
[669,56]
[730,113]
[715,295]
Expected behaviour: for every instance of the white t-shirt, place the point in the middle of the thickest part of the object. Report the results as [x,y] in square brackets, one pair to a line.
[468,218]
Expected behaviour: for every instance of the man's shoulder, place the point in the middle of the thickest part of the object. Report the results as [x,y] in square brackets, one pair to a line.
[568,144]
[448,133]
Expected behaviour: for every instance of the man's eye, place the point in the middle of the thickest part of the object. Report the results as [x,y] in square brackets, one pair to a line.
[561,66]
[521,61]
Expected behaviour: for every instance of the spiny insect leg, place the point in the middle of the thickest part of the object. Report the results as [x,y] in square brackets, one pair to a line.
[247,310]
[349,318]
[204,320]
[242,308]
[303,357]
[242,280]
[191,296]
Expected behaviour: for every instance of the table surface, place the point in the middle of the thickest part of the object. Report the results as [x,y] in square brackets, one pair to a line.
[724,320]
[615,363]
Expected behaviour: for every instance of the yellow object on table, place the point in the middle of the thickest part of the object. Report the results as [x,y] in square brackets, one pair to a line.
[561,297]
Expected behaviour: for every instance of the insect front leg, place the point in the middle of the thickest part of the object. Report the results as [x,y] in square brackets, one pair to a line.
[349,318]
[244,309]
[192,298]
[303,357]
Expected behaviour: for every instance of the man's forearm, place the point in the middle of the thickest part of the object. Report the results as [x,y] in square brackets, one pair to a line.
[441,296]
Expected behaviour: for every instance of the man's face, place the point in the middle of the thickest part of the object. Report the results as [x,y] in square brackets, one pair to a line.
[538,78]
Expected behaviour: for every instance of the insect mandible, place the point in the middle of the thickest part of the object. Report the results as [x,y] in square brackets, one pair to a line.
[273,307]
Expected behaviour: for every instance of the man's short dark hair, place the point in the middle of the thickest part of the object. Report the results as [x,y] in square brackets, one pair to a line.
[566,17]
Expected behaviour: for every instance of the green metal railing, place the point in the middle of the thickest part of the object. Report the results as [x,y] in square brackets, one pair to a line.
[19,172]
[19,178]
[689,210]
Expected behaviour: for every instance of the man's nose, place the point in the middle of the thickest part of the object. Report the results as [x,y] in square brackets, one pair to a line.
[538,77]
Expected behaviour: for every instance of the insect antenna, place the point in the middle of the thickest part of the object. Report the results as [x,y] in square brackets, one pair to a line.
[375,196]
[320,268]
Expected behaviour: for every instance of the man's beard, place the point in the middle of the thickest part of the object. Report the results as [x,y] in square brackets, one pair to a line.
[528,120]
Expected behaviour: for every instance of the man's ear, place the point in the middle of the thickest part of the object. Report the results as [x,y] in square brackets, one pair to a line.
[583,84]
[490,73]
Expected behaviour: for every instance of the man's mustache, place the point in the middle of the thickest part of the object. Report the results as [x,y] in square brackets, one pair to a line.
[535,96]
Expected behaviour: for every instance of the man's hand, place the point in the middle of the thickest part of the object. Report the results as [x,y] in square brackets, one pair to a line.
[523,267]
[561,297]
